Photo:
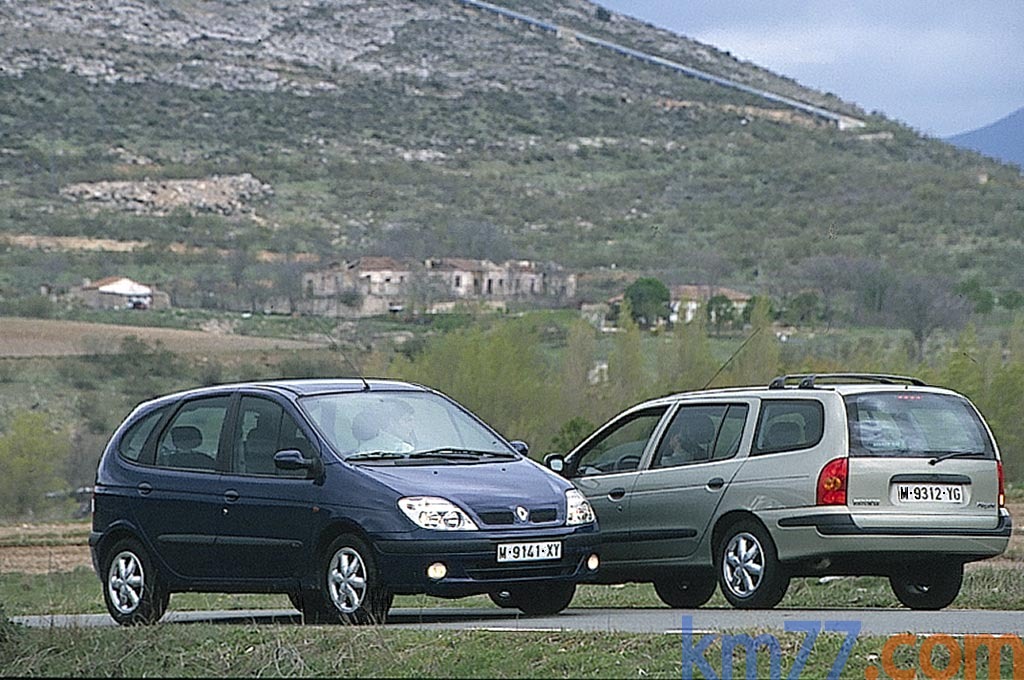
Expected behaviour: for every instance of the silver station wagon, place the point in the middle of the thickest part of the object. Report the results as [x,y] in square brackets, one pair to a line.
[850,474]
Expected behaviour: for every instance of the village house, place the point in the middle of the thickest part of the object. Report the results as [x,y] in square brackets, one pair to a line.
[376,285]
[687,300]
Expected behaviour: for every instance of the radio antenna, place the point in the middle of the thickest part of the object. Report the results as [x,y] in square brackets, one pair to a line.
[336,345]
[733,356]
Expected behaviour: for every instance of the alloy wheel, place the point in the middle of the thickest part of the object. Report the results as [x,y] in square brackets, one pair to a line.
[743,564]
[346,580]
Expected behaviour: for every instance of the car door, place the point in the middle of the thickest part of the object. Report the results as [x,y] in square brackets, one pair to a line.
[675,497]
[179,492]
[269,514]
[605,468]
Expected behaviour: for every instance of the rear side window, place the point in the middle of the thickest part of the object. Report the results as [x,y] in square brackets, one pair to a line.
[701,434]
[914,424]
[137,434]
[788,425]
[192,438]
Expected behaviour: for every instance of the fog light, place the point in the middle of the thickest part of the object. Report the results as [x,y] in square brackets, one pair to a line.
[593,562]
[437,571]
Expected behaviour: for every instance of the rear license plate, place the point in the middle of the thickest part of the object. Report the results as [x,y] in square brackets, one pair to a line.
[929,493]
[528,552]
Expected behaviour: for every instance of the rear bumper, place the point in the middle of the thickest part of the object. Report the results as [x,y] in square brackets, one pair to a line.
[472,565]
[816,534]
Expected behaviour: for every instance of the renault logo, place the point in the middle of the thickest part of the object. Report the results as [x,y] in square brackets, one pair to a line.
[522,513]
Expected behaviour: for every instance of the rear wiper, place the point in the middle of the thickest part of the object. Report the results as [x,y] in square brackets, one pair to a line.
[463,454]
[954,454]
[375,455]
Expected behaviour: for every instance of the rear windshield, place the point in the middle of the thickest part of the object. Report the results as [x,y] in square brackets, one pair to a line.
[915,425]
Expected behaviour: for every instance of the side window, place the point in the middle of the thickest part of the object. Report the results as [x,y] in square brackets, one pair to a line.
[788,425]
[699,434]
[191,439]
[137,434]
[264,429]
[620,447]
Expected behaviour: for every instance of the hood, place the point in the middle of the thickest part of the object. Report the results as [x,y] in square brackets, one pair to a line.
[480,487]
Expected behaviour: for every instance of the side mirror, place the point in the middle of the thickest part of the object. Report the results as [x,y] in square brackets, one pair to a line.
[521,447]
[555,461]
[292,459]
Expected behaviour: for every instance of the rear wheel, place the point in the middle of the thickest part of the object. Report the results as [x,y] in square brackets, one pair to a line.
[927,587]
[749,571]
[131,589]
[686,590]
[349,590]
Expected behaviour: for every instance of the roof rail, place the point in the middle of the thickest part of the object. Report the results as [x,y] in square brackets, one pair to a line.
[808,380]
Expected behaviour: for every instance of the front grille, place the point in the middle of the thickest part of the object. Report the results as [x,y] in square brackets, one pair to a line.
[508,517]
[497,517]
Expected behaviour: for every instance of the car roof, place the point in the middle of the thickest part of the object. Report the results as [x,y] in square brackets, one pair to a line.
[783,391]
[299,387]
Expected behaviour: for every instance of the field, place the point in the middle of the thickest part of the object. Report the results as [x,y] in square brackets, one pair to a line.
[52,338]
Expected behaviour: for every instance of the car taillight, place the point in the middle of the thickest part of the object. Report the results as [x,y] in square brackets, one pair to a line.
[1002,487]
[832,483]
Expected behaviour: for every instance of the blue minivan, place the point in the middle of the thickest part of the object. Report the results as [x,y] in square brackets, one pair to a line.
[340,493]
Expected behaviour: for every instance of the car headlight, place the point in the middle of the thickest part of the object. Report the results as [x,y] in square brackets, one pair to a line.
[430,512]
[577,508]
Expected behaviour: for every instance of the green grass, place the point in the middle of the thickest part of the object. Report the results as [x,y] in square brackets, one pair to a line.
[334,651]
[206,650]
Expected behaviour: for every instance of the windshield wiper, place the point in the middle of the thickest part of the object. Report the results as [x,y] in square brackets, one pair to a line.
[461,454]
[375,455]
[954,454]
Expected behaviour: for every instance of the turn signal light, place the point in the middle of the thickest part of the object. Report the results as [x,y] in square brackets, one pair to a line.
[832,482]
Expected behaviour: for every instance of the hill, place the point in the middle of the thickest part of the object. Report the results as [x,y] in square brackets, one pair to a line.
[1003,139]
[416,128]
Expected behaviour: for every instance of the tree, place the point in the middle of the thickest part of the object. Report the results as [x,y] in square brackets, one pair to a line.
[922,305]
[649,301]
[720,311]
[31,456]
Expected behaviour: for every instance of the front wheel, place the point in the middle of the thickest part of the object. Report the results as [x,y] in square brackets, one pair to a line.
[542,600]
[749,572]
[350,589]
[927,587]
[688,590]
[132,590]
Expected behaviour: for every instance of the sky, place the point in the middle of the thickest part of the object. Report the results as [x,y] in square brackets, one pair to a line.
[940,66]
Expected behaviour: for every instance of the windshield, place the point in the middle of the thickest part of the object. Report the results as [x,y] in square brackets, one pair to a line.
[915,424]
[395,425]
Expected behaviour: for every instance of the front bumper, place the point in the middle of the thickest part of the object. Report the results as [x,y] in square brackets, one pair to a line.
[471,560]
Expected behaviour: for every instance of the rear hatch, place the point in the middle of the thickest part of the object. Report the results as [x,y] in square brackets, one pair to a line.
[920,460]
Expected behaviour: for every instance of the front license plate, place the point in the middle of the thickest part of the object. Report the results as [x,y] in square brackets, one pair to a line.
[929,493]
[527,552]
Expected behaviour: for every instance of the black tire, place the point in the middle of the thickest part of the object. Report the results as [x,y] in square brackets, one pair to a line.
[349,588]
[927,587]
[544,600]
[132,589]
[749,572]
[687,590]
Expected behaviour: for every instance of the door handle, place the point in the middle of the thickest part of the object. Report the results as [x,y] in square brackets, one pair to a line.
[617,494]
[716,483]
[231,495]
[145,488]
